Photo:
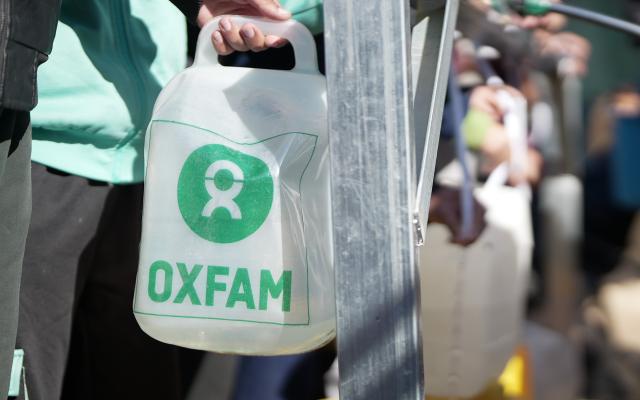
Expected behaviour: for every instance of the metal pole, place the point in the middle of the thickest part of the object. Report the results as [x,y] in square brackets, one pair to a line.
[432,68]
[373,191]
[572,124]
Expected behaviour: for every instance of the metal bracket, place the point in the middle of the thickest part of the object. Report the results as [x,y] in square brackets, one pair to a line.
[431,61]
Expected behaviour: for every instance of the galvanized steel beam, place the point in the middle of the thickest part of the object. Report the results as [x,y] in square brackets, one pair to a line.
[373,192]
[373,164]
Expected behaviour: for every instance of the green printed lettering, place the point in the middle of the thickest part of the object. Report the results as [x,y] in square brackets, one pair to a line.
[212,285]
[241,281]
[268,287]
[188,278]
[154,295]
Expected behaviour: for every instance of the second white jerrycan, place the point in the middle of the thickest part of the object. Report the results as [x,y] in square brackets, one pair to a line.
[473,298]
[236,251]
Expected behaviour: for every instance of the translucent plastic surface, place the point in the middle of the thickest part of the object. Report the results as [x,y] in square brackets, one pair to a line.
[236,247]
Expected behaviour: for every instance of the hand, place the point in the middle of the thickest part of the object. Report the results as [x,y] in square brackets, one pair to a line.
[445,209]
[485,99]
[495,148]
[230,37]
[533,172]
[574,50]
[552,22]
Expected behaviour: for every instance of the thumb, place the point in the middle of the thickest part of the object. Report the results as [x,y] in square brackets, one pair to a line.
[270,9]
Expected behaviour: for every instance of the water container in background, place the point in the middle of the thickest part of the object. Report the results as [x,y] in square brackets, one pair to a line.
[473,298]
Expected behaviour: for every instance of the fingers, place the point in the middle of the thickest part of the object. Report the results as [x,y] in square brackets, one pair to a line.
[255,40]
[532,174]
[253,37]
[270,9]
[272,41]
[231,34]
[496,147]
[511,90]
[484,99]
[232,37]
[219,44]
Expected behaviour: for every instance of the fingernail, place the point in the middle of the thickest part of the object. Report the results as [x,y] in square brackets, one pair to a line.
[217,37]
[247,32]
[279,43]
[225,24]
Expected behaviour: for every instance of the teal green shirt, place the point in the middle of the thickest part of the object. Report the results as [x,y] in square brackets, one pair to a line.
[308,12]
[110,60]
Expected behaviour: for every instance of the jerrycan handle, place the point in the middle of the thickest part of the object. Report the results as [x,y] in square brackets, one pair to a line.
[304,47]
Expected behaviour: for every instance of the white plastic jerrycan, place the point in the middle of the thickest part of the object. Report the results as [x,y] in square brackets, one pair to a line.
[236,251]
[473,298]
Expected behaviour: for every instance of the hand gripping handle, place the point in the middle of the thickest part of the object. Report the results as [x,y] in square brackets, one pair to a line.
[300,38]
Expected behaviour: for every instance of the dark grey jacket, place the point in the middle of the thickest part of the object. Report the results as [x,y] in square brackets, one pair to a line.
[27,28]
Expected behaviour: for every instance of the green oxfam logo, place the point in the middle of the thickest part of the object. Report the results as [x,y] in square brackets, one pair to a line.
[224,195]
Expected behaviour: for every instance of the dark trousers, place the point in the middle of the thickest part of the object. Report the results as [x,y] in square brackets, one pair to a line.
[294,377]
[77,291]
[15,208]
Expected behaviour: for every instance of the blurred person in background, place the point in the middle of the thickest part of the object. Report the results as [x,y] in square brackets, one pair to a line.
[611,205]
[536,55]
